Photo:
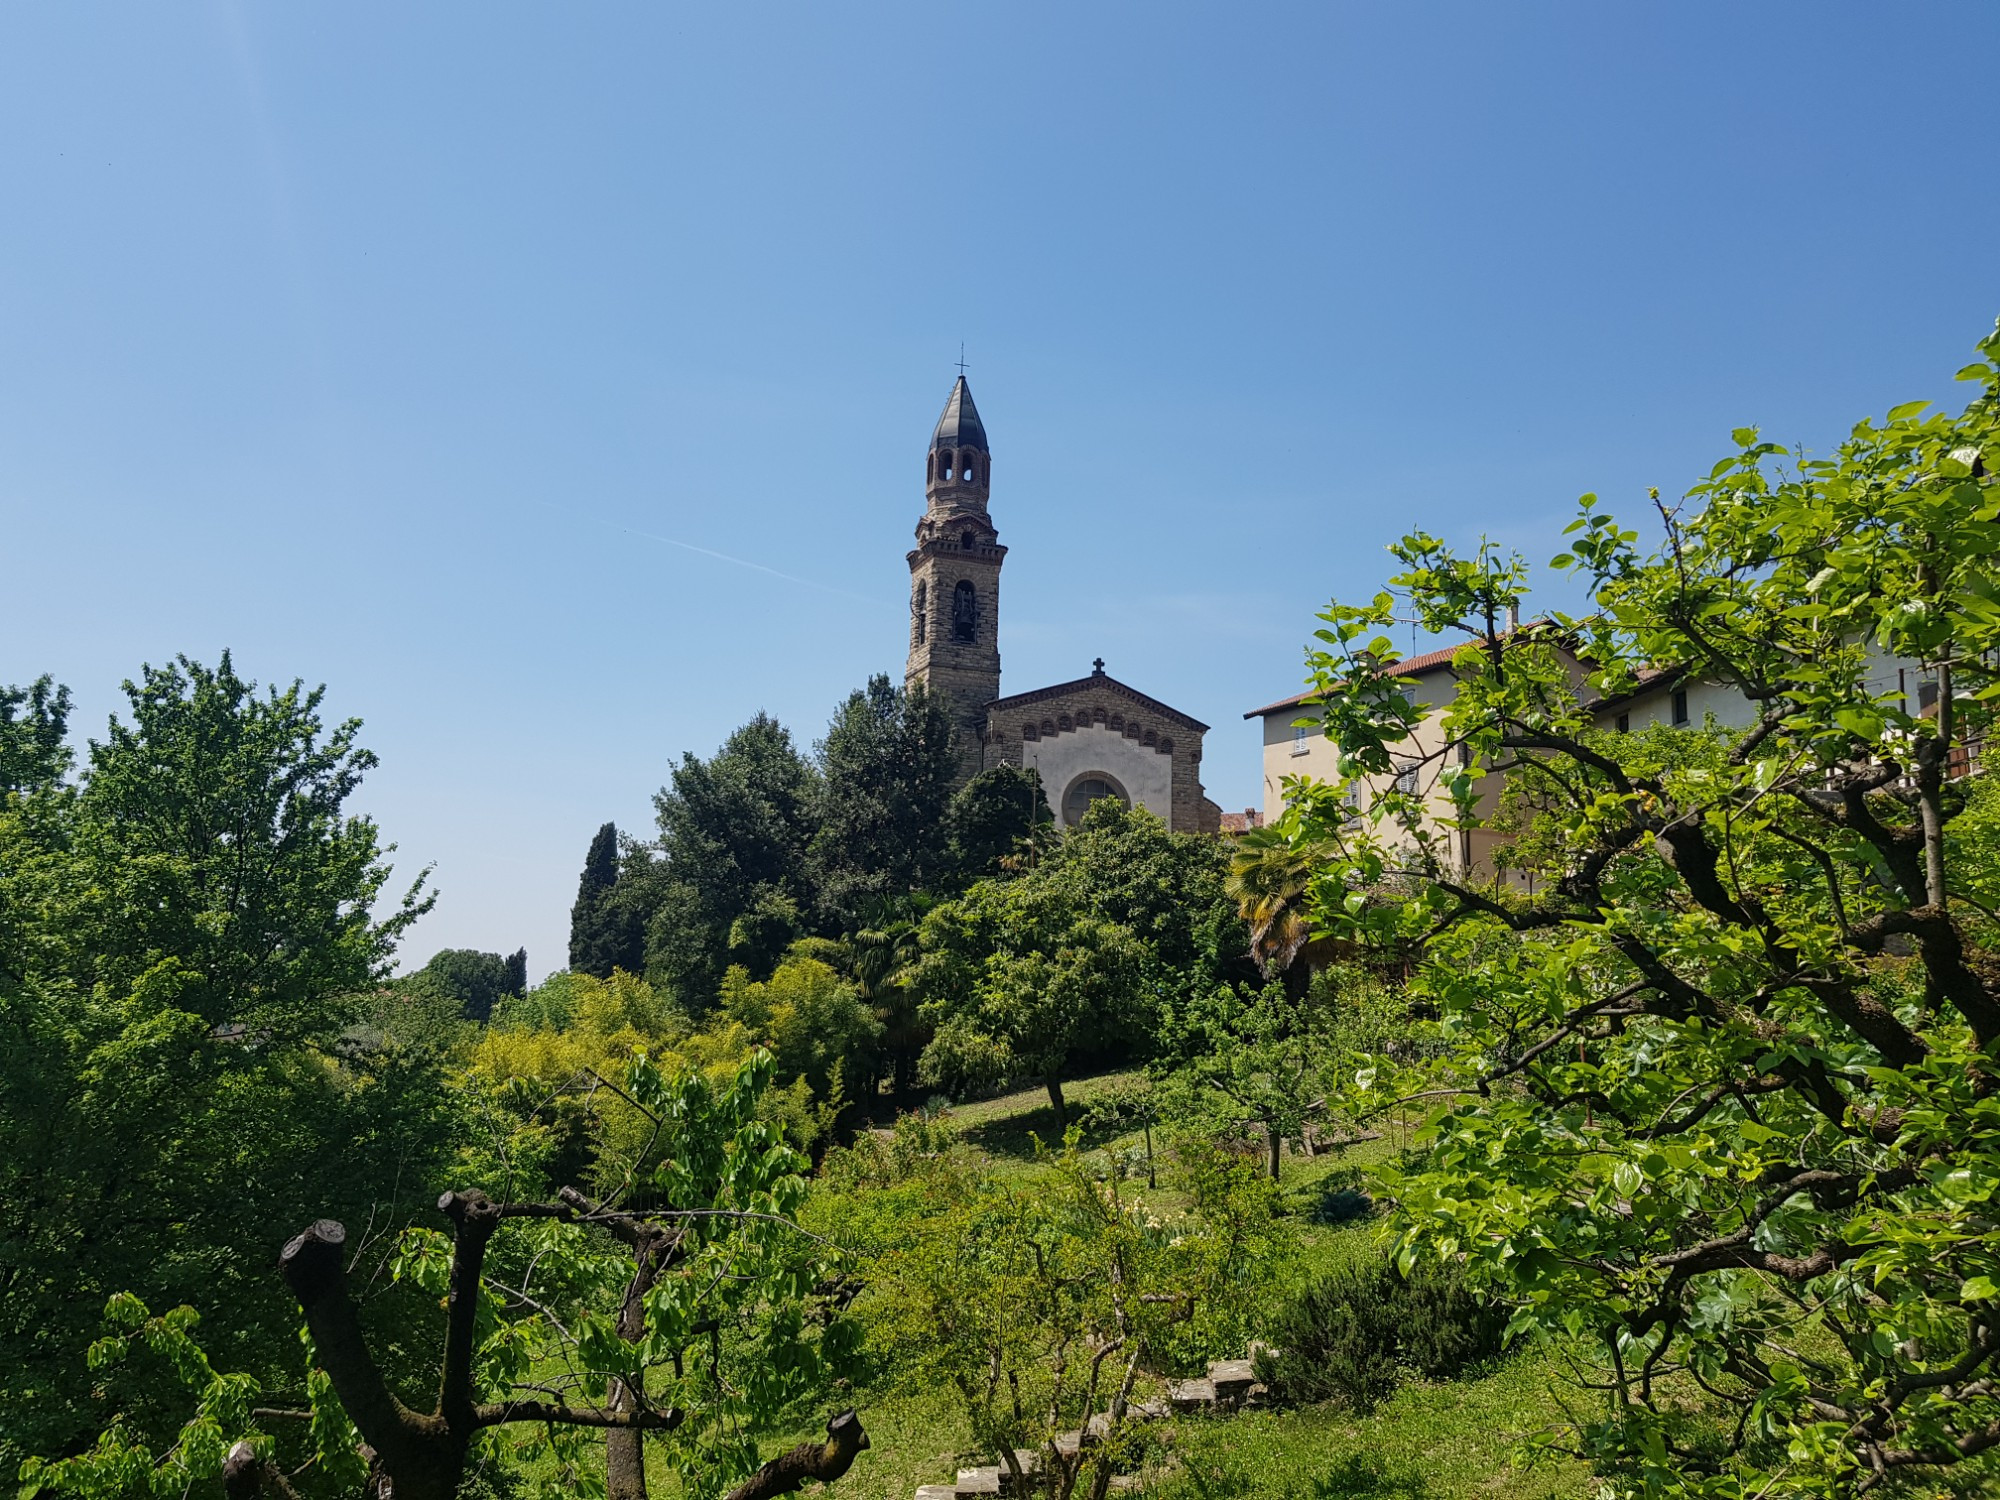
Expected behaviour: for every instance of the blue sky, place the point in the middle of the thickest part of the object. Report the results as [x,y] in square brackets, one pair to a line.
[396,347]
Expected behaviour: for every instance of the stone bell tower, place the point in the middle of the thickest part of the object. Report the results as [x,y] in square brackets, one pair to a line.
[955,578]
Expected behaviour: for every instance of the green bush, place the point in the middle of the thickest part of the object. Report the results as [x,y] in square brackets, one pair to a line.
[1351,1335]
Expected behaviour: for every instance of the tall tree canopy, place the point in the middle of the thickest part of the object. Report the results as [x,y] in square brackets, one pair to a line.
[1077,959]
[990,816]
[1728,1102]
[605,933]
[33,723]
[181,932]
[210,835]
[886,772]
[734,831]
[475,981]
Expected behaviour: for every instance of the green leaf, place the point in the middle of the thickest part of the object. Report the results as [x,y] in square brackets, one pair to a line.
[1977,1289]
[1862,723]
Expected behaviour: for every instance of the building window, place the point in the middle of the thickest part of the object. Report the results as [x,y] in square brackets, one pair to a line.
[1406,781]
[1680,707]
[944,466]
[971,540]
[1092,786]
[1624,723]
[920,607]
[964,612]
[1926,695]
[1301,736]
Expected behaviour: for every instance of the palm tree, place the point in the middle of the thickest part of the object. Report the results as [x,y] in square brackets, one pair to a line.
[1268,879]
[879,964]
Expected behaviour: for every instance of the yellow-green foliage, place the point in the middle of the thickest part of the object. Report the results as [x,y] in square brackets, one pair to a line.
[550,1060]
[813,1021]
[608,1020]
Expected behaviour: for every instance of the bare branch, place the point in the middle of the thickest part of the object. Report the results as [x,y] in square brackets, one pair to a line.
[824,1462]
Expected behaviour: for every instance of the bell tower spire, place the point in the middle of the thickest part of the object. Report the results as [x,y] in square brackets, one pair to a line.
[955,578]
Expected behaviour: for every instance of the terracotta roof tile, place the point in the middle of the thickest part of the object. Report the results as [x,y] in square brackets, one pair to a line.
[1404,666]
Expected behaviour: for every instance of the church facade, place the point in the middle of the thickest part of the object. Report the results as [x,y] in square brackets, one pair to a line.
[1087,739]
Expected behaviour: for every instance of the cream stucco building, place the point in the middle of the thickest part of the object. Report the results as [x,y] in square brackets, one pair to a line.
[1294,745]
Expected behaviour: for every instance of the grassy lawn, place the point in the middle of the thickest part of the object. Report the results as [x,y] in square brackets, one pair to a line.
[1427,1442]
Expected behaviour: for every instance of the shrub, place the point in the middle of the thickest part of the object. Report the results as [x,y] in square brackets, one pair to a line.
[1352,1334]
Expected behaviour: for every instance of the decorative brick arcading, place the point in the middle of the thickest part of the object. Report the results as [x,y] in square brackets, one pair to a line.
[1110,704]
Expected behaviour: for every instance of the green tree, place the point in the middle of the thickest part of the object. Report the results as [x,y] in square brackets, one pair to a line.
[1169,890]
[814,1023]
[182,933]
[33,723]
[1269,878]
[880,960]
[1019,981]
[990,817]
[605,932]
[210,834]
[474,980]
[886,772]
[1262,1055]
[689,1321]
[734,831]
[1725,1104]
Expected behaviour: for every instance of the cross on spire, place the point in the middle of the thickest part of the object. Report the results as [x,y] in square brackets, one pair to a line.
[1097,667]
[961,359]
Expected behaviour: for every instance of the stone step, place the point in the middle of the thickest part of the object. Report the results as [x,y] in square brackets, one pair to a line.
[975,1482]
[936,1492]
[1127,1482]
[1031,1465]
[1232,1379]
[1190,1395]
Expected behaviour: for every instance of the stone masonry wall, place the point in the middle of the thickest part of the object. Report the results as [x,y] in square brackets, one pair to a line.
[1011,722]
[965,673]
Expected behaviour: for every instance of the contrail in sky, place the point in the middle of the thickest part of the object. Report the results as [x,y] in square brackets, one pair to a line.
[741,562]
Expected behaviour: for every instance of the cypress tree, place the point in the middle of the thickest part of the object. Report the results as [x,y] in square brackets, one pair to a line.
[592,942]
[516,980]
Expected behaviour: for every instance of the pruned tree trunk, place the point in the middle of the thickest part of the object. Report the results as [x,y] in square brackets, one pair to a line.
[423,1455]
[1277,1142]
[1054,1085]
[245,1476]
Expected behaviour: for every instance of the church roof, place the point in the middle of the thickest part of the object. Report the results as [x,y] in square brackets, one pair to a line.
[1087,684]
[960,426]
